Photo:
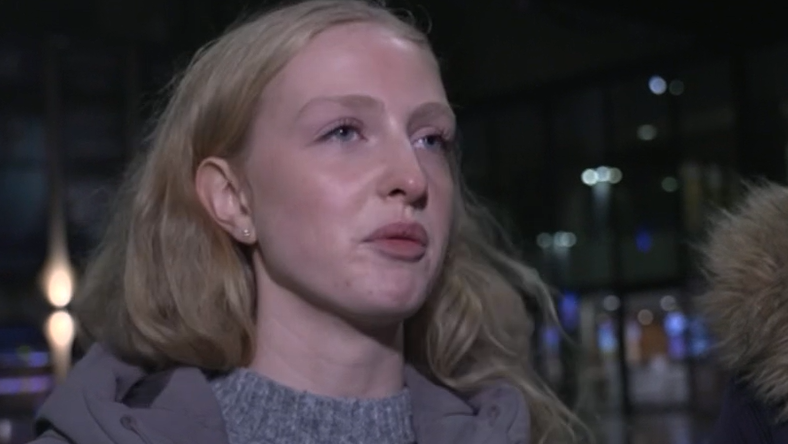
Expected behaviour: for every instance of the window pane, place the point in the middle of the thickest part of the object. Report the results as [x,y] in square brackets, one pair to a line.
[520,139]
[93,133]
[648,223]
[519,171]
[22,138]
[768,69]
[87,202]
[92,70]
[601,344]
[707,116]
[640,117]
[578,128]
[583,216]
[23,227]
[20,66]
[656,343]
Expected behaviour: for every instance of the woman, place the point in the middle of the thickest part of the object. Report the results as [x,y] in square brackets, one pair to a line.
[747,308]
[295,259]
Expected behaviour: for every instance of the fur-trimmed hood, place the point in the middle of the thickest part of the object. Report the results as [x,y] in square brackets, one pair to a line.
[746,261]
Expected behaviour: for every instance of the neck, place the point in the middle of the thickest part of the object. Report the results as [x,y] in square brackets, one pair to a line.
[307,348]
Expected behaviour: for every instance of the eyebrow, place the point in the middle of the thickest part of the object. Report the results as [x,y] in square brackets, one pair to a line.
[424,111]
[349,101]
[432,110]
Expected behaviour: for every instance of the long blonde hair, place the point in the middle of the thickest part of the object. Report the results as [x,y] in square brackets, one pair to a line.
[168,286]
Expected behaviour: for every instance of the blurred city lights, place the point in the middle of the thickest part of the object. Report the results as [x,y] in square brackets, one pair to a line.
[561,239]
[600,175]
[657,85]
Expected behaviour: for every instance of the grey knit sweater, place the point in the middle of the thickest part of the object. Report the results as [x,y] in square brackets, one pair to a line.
[258,410]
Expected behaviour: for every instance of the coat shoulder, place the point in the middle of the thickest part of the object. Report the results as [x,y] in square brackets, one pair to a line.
[50,437]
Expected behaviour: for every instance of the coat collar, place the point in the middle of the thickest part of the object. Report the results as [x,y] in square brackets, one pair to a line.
[92,406]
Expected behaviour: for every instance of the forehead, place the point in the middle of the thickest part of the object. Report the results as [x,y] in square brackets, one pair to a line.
[360,59]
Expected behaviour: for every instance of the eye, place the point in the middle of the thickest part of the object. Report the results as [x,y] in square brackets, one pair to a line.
[437,141]
[342,132]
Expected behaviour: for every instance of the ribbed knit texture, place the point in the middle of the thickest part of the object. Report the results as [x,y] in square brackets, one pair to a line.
[258,410]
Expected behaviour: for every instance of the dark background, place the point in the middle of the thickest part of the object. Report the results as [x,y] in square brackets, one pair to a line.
[680,100]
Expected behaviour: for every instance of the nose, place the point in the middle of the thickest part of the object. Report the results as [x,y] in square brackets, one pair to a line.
[404,177]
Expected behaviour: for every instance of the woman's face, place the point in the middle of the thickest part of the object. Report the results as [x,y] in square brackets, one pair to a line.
[348,179]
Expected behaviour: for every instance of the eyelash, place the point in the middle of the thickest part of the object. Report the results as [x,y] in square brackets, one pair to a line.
[445,139]
[342,124]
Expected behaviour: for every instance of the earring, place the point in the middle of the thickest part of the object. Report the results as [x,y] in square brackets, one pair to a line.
[247,232]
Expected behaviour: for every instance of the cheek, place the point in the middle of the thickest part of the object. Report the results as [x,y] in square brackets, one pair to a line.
[294,205]
[283,207]
[278,197]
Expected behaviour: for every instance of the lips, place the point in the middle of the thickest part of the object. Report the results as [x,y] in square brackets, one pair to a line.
[402,240]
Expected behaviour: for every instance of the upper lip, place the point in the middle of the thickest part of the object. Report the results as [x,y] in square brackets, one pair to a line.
[412,231]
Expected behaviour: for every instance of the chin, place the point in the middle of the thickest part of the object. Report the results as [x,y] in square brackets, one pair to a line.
[393,294]
[378,307]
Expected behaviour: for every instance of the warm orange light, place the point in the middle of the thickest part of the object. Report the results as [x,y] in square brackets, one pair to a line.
[60,330]
[58,282]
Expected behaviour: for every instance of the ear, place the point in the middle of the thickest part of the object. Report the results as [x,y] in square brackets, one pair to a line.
[221,194]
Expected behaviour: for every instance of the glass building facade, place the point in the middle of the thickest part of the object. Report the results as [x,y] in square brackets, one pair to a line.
[609,188]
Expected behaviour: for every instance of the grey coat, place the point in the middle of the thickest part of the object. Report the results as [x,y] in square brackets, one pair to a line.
[106,401]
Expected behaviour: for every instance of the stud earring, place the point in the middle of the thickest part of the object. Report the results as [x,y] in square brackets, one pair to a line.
[247,232]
